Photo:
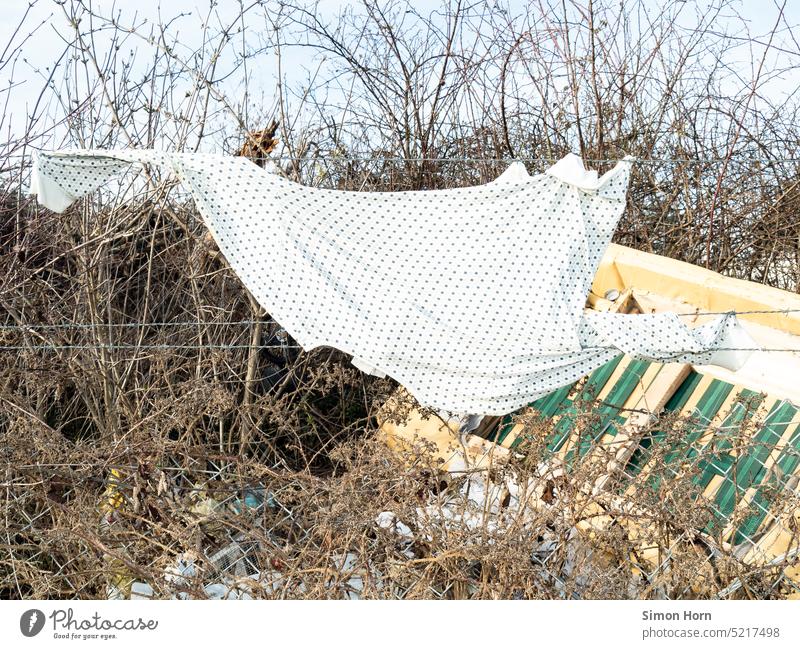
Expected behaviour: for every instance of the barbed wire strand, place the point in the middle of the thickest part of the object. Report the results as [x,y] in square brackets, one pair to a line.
[132,325]
[166,346]
[346,159]
[214,323]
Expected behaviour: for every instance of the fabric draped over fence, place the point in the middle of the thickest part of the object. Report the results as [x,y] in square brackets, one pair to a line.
[472,298]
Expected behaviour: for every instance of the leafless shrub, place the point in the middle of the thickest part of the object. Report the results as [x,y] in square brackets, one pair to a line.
[152,414]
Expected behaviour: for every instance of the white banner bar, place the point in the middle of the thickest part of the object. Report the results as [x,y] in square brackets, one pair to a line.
[379,624]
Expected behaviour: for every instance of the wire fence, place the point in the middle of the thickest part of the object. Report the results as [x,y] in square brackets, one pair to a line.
[122,347]
[251,322]
[226,484]
[37,328]
[483,160]
[234,346]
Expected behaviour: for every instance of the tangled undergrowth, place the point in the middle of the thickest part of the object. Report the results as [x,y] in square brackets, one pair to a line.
[162,436]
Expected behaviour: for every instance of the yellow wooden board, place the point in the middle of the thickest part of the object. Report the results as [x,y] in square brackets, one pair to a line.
[623,268]
[437,441]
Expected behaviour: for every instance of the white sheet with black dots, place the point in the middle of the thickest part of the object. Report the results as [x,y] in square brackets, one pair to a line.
[472,298]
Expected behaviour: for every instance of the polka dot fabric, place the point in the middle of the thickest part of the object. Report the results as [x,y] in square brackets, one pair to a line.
[472,298]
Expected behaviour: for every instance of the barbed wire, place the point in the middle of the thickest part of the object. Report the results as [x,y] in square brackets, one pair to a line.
[234,346]
[32,328]
[734,312]
[346,159]
[132,346]
[131,325]
[250,322]
[539,160]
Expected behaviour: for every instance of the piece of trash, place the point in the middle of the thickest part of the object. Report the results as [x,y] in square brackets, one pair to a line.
[224,591]
[184,569]
[253,498]
[205,508]
[389,521]
[233,559]
[141,590]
